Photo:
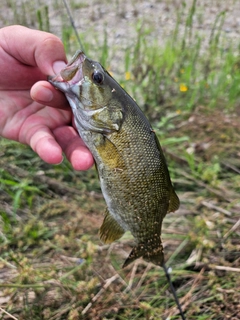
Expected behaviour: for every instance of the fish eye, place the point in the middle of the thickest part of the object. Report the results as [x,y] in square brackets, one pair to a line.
[98,77]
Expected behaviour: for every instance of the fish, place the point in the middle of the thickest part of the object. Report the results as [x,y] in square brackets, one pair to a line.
[132,169]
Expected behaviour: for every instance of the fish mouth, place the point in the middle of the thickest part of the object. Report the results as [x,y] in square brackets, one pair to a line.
[71,75]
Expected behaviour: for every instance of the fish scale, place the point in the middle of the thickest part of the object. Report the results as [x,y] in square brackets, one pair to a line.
[133,174]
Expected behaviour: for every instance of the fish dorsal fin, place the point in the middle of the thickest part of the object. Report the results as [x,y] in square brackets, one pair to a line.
[174,202]
[110,229]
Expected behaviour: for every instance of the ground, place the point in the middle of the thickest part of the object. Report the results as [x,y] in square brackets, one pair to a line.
[53,265]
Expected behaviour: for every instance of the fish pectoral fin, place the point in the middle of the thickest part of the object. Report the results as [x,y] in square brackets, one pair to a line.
[174,202]
[148,253]
[110,229]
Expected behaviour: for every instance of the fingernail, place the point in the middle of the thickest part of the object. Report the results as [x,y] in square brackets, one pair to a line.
[58,66]
[60,161]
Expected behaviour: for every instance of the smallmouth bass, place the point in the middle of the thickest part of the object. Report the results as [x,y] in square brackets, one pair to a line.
[133,174]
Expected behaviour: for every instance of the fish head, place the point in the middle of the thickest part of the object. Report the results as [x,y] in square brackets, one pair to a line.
[90,89]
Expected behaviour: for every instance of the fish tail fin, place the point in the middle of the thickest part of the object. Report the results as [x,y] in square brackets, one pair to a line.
[148,252]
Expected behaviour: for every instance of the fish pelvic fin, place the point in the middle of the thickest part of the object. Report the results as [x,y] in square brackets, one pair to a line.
[174,202]
[110,229]
[148,253]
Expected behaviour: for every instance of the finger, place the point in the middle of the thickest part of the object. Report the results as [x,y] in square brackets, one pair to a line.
[44,93]
[74,148]
[45,145]
[32,47]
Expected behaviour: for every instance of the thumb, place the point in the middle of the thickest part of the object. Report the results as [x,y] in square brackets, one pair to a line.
[32,47]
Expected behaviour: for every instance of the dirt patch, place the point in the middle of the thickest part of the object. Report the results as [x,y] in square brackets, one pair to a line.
[212,132]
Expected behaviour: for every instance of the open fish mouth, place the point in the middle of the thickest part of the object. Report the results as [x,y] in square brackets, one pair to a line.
[71,75]
[70,80]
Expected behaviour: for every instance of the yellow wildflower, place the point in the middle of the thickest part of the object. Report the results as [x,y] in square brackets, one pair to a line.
[183,87]
[127,75]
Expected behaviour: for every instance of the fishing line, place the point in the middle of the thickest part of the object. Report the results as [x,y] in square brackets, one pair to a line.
[166,270]
[73,23]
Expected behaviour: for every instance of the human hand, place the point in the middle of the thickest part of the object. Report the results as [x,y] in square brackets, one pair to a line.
[31,110]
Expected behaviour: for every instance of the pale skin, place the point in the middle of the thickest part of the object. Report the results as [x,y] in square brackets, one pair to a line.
[32,111]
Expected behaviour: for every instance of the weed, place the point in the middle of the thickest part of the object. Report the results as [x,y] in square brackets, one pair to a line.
[43,19]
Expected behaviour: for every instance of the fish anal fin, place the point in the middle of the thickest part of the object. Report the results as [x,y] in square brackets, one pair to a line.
[148,253]
[174,202]
[110,229]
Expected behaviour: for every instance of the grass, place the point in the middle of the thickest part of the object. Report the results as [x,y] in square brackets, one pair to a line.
[53,265]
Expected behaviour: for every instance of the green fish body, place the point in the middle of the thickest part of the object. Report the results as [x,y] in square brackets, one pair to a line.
[133,174]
